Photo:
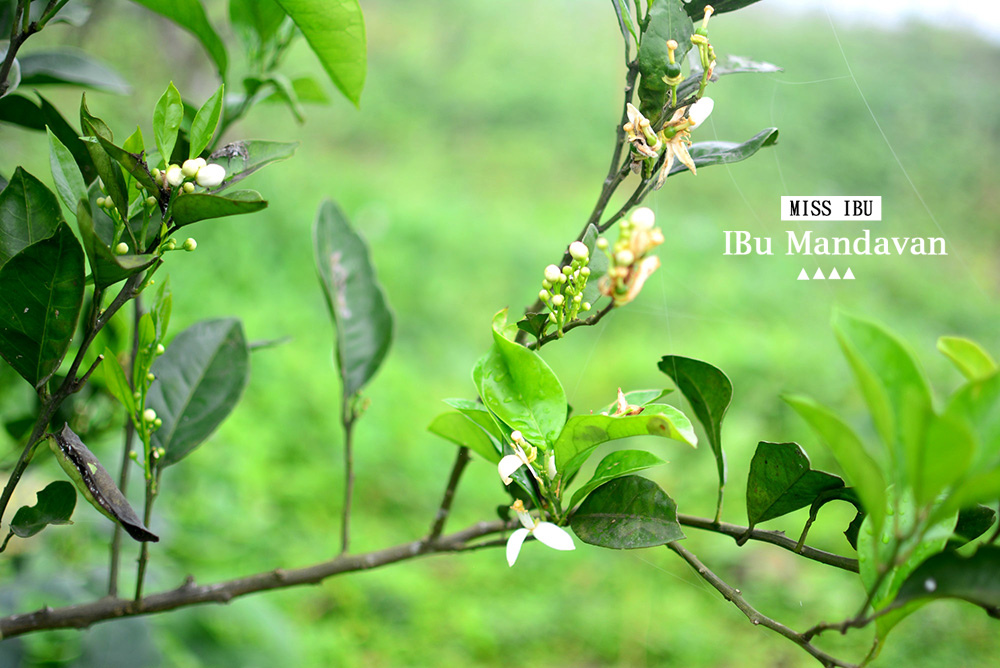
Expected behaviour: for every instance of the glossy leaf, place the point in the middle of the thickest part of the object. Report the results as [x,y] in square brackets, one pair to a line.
[627,513]
[781,481]
[65,173]
[205,122]
[190,208]
[696,8]
[848,494]
[41,294]
[665,20]
[461,430]
[583,433]
[335,30]
[709,391]
[107,168]
[116,382]
[972,523]
[71,66]
[360,312]
[19,110]
[199,381]
[967,356]
[616,465]
[520,389]
[944,456]
[190,15]
[93,481]
[479,414]
[106,267]
[70,138]
[978,403]
[974,579]
[850,453]
[54,505]
[708,153]
[167,117]
[29,212]
[243,158]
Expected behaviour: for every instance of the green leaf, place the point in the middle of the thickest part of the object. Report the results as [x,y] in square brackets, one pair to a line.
[974,579]
[357,303]
[972,523]
[848,494]
[205,122]
[167,117]
[638,398]
[70,137]
[92,480]
[944,457]
[598,266]
[696,8]
[71,66]
[107,168]
[627,513]
[335,30]
[520,389]
[133,163]
[243,158]
[967,356]
[479,414]
[978,403]
[55,505]
[19,110]
[781,481]
[850,453]
[190,208]
[616,465]
[106,267]
[190,15]
[708,153]
[198,382]
[41,293]
[462,430]
[115,381]
[583,433]
[665,20]
[709,391]
[255,21]
[29,212]
[69,182]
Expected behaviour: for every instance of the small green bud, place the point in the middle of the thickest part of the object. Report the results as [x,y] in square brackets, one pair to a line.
[602,243]
[155,173]
[171,244]
[585,272]
[547,285]
[624,258]
[150,201]
[121,248]
[160,349]
[188,187]
[557,300]
[157,423]
[100,201]
[136,396]
[190,244]
[150,377]
[109,203]
[543,295]
[585,306]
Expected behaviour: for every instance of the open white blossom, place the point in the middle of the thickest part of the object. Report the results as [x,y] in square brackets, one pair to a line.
[546,533]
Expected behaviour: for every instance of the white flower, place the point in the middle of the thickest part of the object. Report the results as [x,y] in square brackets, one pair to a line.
[210,175]
[546,533]
[700,110]
[511,463]
[190,167]
[174,175]
[676,145]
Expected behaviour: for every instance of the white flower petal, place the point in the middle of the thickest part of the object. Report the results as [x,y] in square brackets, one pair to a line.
[525,518]
[507,466]
[514,545]
[212,175]
[551,535]
[700,110]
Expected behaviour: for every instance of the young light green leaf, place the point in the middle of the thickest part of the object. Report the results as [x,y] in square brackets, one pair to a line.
[627,513]
[708,153]
[191,208]
[199,380]
[709,391]
[781,481]
[945,457]
[461,430]
[357,303]
[967,356]
[190,15]
[71,66]
[205,122]
[93,481]
[167,117]
[616,465]
[29,212]
[255,21]
[55,505]
[41,294]
[520,389]
[479,414]
[335,30]
[65,173]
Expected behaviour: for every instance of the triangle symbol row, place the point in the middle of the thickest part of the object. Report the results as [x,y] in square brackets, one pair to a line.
[834,275]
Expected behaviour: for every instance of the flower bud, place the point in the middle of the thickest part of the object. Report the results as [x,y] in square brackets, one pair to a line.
[210,176]
[155,173]
[121,248]
[189,244]
[579,251]
[188,187]
[190,168]
[150,377]
[557,300]
[567,270]
[643,218]
[585,306]
[602,243]
[159,423]
[517,436]
[585,272]
[543,294]
[150,201]
[175,176]
[149,415]
[624,258]
[160,349]
[552,273]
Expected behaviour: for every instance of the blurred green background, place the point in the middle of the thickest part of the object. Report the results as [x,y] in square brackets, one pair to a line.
[484,133]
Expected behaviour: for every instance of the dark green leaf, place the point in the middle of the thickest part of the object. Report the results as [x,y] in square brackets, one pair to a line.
[708,153]
[134,164]
[55,505]
[167,117]
[71,66]
[616,465]
[848,494]
[92,480]
[666,20]
[243,158]
[190,208]
[968,356]
[69,182]
[520,389]
[782,481]
[335,30]
[190,15]
[975,579]
[204,123]
[70,137]
[361,315]
[627,513]
[972,523]
[696,8]
[107,168]
[198,382]
[29,212]
[534,324]
[41,293]
[709,391]
[731,65]
[106,267]
[21,111]
[461,430]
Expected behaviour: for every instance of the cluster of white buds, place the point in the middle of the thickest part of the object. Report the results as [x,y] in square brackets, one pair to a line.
[191,172]
[629,262]
[562,288]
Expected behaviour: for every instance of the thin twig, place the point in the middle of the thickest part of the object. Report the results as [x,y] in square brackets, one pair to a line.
[152,487]
[461,460]
[347,419]
[756,618]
